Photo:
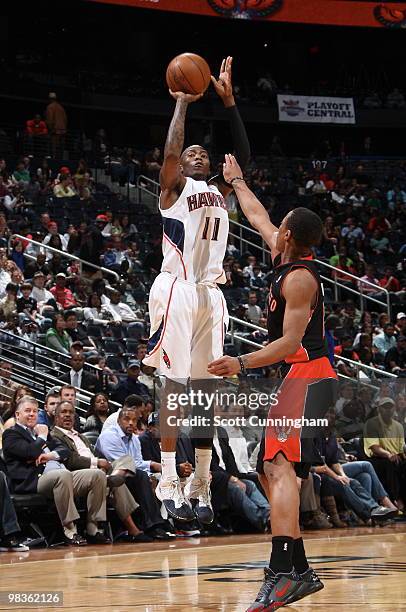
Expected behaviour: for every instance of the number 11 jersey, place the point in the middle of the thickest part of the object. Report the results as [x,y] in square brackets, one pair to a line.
[195,233]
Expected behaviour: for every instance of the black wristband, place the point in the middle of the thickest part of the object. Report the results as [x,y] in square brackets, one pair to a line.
[237,178]
[242,366]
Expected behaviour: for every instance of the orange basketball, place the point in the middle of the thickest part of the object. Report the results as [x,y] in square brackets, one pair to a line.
[189,73]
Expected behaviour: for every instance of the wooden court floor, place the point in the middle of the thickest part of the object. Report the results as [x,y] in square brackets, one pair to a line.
[363,570]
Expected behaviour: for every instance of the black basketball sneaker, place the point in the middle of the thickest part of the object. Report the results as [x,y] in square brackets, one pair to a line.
[309,583]
[276,591]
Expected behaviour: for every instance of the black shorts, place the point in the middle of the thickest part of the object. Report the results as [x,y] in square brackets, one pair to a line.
[302,468]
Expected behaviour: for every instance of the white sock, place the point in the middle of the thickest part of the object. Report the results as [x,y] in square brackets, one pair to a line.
[91,529]
[69,530]
[168,462]
[202,462]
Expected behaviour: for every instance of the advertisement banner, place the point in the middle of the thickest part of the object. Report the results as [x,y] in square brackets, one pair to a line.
[366,13]
[315,109]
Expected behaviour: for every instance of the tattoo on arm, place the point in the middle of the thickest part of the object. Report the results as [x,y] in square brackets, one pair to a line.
[176,132]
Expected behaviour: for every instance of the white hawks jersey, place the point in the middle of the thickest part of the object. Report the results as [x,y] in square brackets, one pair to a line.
[195,234]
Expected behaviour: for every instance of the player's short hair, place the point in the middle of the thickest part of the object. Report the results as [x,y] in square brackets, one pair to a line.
[193,147]
[306,227]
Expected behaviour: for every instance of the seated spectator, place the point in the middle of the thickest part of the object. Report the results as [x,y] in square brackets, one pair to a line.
[10,539]
[120,440]
[39,265]
[36,126]
[384,444]
[385,341]
[350,423]
[26,304]
[35,465]
[56,337]
[78,378]
[63,296]
[254,312]
[8,304]
[120,311]
[400,326]
[395,358]
[52,232]
[96,313]
[97,413]
[21,174]
[7,386]
[345,348]
[81,458]
[46,415]
[77,332]
[248,271]
[44,298]
[153,163]
[131,385]
[128,230]
[370,277]
[64,189]
[9,415]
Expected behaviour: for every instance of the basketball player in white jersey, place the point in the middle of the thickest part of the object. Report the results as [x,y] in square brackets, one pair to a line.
[188,312]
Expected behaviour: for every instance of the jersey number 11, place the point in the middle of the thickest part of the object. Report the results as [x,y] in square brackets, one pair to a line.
[216,228]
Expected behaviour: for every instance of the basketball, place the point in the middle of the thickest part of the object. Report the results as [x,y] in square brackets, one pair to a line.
[189,73]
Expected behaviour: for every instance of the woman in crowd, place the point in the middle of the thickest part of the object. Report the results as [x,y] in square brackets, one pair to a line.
[56,337]
[8,416]
[95,313]
[97,413]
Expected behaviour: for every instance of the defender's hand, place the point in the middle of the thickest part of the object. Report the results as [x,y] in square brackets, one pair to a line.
[223,85]
[186,98]
[225,366]
[231,169]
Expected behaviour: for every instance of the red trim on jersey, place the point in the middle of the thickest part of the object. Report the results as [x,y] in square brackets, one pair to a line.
[165,319]
[301,355]
[178,252]
[292,398]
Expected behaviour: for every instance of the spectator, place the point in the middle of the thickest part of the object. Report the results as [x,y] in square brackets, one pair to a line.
[57,125]
[350,423]
[254,312]
[369,277]
[63,296]
[97,413]
[153,163]
[10,539]
[7,386]
[389,281]
[44,298]
[119,440]
[120,311]
[52,233]
[401,323]
[384,445]
[77,332]
[81,458]
[395,358]
[36,127]
[131,384]
[64,189]
[26,304]
[78,378]
[8,304]
[385,341]
[9,415]
[35,465]
[95,313]
[56,337]
[46,415]
[21,175]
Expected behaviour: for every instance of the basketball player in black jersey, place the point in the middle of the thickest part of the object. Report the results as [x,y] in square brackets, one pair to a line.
[296,337]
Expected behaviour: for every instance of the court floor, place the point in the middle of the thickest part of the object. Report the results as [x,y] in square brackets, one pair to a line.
[363,570]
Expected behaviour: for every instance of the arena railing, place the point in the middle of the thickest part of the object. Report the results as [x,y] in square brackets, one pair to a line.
[234,322]
[237,230]
[46,247]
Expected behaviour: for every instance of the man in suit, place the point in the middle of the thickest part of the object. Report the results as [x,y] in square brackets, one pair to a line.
[78,378]
[35,464]
[9,527]
[81,457]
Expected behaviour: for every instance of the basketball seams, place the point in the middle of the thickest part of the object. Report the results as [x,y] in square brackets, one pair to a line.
[192,89]
[199,69]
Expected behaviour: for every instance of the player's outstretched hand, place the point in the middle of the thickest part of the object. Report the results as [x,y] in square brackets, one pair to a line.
[223,85]
[225,366]
[188,98]
[231,169]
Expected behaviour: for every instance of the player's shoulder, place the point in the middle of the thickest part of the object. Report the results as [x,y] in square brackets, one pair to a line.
[299,281]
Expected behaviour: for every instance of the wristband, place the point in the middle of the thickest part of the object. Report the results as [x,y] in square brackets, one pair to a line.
[242,366]
[237,178]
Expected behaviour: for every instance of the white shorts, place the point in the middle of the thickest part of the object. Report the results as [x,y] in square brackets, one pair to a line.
[188,326]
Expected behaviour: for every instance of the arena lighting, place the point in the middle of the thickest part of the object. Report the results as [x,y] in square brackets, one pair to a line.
[361,13]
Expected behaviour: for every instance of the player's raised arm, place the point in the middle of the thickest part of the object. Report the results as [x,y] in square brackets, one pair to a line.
[170,178]
[300,292]
[224,89]
[252,208]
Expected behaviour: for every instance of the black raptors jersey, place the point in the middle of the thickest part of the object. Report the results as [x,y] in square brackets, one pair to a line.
[313,344]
